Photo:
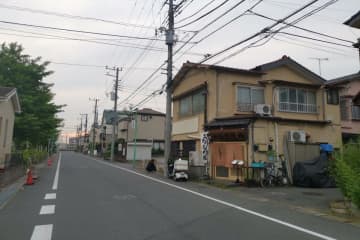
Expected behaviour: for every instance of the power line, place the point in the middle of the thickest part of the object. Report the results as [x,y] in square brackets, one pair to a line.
[271,34]
[196,12]
[204,15]
[316,39]
[264,30]
[66,15]
[301,28]
[209,24]
[312,47]
[80,31]
[221,27]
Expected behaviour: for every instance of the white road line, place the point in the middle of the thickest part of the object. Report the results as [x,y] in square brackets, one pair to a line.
[42,232]
[56,179]
[289,225]
[50,196]
[47,209]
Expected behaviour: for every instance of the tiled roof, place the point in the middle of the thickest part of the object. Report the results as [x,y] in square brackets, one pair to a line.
[347,78]
[289,62]
[149,111]
[6,91]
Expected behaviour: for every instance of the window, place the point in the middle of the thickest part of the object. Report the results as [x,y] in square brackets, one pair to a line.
[355,112]
[0,126]
[247,97]
[297,100]
[6,130]
[343,109]
[192,104]
[333,96]
[144,117]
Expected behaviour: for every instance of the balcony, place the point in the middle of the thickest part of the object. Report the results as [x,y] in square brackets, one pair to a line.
[297,107]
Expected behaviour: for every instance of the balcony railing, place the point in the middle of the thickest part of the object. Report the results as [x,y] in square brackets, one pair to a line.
[245,107]
[298,107]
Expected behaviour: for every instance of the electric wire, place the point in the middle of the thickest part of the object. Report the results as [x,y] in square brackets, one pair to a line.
[264,30]
[79,31]
[204,15]
[66,15]
[196,12]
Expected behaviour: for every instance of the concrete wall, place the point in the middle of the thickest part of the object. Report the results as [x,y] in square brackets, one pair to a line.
[7,115]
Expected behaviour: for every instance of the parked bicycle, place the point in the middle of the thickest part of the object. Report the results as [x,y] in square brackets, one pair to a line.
[275,176]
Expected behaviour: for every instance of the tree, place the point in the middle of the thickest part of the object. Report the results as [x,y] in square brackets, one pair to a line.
[38,121]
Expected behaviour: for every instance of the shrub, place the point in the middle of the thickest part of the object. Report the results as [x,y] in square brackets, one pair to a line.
[33,156]
[347,172]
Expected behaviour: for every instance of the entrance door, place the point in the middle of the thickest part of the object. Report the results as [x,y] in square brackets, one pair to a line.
[222,154]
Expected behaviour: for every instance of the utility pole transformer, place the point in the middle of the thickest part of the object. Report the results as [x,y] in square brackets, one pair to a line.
[168,125]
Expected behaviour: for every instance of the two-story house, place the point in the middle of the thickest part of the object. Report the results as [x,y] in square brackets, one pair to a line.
[349,91]
[249,114]
[9,105]
[106,127]
[146,126]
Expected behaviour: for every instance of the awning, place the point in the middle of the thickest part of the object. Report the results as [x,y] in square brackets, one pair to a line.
[228,123]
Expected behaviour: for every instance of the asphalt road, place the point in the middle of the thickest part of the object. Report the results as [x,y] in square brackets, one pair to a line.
[98,200]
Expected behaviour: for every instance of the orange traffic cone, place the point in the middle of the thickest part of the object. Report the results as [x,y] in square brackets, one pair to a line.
[49,162]
[29,179]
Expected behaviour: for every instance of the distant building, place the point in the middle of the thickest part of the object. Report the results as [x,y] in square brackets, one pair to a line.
[349,91]
[150,129]
[9,105]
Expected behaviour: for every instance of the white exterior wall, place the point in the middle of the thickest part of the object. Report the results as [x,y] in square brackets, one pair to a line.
[7,118]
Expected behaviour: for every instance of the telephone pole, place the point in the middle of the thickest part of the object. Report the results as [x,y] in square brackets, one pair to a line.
[169,43]
[115,116]
[85,126]
[94,124]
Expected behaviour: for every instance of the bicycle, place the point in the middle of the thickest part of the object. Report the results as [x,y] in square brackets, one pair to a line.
[275,176]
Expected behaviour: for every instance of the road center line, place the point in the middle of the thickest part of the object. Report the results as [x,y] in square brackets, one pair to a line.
[47,209]
[42,232]
[50,196]
[289,225]
[56,179]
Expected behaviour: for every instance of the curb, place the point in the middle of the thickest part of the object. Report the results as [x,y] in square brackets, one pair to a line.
[10,191]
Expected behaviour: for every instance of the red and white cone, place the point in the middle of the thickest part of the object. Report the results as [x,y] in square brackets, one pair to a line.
[29,178]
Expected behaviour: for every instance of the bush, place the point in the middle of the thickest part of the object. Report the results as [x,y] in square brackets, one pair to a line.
[33,156]
[347,172]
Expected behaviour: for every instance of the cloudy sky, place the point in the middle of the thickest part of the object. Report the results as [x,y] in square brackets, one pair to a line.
[79,59]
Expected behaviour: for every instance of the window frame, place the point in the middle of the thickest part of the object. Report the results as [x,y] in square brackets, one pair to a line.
[190,100]
[249,108]
[329,96]
[289,106]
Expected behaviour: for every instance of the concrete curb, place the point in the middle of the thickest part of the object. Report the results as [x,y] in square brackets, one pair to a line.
[10,191]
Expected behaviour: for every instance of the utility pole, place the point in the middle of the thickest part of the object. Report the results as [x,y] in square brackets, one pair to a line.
[357,45]
[115,116]
[94,124]
[168,126]
[319,62]
[85,127]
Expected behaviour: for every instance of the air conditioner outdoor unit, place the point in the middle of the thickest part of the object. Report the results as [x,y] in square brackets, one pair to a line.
[297,136]
[263,109]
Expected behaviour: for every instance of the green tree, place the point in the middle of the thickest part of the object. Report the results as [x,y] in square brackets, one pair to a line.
[347,171]
[38,122]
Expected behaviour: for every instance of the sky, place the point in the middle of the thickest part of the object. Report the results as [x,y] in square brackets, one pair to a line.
[78,59]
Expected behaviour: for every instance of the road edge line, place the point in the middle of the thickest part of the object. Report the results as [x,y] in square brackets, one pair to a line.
[289,225]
